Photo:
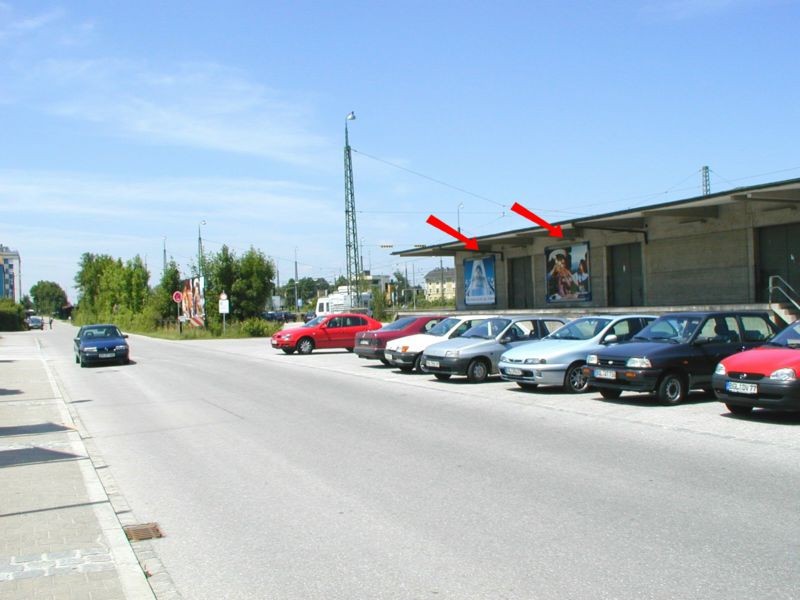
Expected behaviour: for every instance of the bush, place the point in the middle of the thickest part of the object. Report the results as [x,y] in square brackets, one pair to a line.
[12,316]
[259,328]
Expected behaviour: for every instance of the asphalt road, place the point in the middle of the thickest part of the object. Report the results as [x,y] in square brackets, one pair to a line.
[329,477]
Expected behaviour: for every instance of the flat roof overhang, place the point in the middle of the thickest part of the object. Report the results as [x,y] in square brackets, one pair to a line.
[772,196]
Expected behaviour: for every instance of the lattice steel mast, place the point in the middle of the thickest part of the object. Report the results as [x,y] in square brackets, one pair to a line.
[353,255]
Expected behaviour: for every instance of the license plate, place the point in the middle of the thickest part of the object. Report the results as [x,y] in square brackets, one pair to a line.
[106,355]
[432,363]
[513,371]
[364,342]
[605,374]
[742,388]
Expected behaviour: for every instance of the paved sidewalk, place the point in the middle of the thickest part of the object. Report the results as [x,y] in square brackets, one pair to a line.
[60,537]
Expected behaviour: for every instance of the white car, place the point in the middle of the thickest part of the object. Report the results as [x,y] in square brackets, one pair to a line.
[559,358]
[406,352]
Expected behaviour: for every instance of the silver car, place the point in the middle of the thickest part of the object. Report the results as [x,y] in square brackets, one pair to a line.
[559,358]
[475,354]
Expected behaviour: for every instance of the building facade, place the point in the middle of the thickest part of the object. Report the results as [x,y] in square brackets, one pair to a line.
[440,284]
[736,247]
[10,274]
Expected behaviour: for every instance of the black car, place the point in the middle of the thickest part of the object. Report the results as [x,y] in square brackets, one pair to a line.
[100,343]
[675,353]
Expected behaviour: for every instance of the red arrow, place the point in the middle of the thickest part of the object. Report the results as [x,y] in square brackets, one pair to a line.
[555,230]
[469,243]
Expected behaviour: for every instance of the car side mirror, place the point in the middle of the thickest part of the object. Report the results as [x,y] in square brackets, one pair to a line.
[611,339]
[125,335]
[506,340]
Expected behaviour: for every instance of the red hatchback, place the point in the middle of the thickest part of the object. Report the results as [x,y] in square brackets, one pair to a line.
[766,377]
[371,344]
[330,331]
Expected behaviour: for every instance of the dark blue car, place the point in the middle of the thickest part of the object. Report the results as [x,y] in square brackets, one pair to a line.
[101,343]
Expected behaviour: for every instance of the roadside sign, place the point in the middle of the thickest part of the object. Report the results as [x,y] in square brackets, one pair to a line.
[224,304]
[177,297]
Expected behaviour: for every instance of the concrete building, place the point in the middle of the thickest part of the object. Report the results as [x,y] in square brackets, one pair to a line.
[739,247]
[440,284]
[10,274]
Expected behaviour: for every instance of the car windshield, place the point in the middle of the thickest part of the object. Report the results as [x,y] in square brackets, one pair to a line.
[400,323]
[444,326]
[788,338]
[675,329]
[584,328]
[314,322]
[102,331]
[488,329]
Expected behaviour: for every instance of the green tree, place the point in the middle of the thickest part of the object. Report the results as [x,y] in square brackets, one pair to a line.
[161,297]
[88,279]
[253,285]
[48,297]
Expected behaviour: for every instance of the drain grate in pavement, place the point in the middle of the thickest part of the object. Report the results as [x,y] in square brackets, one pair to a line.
[145,531]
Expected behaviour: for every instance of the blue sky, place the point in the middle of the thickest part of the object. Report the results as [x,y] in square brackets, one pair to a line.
[123,124]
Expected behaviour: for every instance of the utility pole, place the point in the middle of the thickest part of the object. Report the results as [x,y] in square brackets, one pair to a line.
[164,270]
[354,264]
[441,271]
[296,303]
[706,180]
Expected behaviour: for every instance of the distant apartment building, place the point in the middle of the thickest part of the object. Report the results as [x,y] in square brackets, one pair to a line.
[440,284]
[10,274]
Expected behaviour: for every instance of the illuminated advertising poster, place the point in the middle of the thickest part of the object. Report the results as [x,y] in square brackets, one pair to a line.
[479,282]
[193,303]
[567,275]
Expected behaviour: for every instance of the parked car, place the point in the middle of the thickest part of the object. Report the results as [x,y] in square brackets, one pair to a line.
[35,322]
[559,358]
[675,353]
[371,345]
[406,352]
[477,352]
[100,343]
[330,331]
[766,377]
[309,316]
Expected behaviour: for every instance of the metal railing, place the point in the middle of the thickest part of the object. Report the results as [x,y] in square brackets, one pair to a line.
[778,284]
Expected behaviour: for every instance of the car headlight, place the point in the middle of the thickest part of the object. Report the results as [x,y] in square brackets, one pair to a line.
[121,347]
[535,361]
[720,369]
[90,349]
[592,360]
[638,363]
[452,353]
[784,375]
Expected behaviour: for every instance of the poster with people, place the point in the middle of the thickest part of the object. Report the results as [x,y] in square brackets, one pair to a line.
[193,304]
[567,274]
[479,281]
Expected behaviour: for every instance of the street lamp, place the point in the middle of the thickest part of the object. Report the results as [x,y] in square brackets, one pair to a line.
[458,213]
[200,249]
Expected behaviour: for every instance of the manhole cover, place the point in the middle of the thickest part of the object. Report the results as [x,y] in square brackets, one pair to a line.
[145,531]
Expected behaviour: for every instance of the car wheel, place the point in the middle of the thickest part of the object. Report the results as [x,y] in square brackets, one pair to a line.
[672,389]
[741,411]
[418,363]
[385,362]
[288,350]
[610,394]
[77,360]
[442,376]
[575,381]
[305,345]
[349,349]
[477,371]
[406,369]
[527,386]
[83,363]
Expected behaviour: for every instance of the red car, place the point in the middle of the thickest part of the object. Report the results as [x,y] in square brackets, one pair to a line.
[330,331]
[766,377]
[371,344]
